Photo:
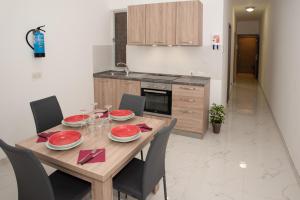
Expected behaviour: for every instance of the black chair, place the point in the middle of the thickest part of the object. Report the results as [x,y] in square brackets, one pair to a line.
[134,103]
[34,183]
[139,178]
[46,113]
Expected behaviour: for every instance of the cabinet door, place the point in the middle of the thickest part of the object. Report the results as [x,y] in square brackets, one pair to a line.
[161,23]
[189,23]
[136,30]
[127,86]
[104,92]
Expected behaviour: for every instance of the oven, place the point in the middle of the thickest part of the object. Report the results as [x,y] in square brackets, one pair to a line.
[158,97]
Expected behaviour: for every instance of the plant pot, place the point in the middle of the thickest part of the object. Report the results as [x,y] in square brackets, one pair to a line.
[216,127]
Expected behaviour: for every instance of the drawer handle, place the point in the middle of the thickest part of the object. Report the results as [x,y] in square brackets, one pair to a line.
[156,42]
[189,100]
[187,42]
[187,88]
[187,112]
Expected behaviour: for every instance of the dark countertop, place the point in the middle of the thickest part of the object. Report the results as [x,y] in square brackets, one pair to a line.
[157,78]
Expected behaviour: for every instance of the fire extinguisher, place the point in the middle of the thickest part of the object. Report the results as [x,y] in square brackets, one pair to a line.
[38,41]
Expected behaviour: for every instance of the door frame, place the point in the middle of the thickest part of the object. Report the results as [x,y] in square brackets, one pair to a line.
[229,62]
[257,36]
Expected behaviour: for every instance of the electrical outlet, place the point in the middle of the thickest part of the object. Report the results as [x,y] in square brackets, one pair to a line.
[36,75]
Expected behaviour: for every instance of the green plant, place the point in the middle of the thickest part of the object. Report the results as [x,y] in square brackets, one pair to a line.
[217,114]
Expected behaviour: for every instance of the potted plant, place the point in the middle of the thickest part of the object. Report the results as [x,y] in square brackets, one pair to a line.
[216,116]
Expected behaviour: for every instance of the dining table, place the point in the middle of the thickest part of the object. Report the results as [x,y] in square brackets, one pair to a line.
[100,175]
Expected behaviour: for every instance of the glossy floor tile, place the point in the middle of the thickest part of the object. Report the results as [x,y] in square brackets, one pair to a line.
[246,161]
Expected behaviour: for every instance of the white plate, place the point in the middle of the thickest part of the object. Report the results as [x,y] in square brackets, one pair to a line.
[73,124]
[63,148]
[124,140]
[122,118]
[67,145]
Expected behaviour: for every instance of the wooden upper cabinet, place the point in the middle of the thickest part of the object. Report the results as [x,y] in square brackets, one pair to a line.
[189,23]
[161,23]
[136,30]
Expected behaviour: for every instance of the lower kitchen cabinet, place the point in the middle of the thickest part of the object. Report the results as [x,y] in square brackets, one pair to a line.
[110,91]
[190,106]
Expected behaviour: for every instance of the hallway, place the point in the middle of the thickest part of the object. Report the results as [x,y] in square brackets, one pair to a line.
[247,161]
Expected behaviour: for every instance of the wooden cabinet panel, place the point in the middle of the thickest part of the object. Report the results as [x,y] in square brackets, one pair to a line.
[190,107]
[110,91]
[104,89]
[161,23]
[126,86]
[189,23]
[136,28]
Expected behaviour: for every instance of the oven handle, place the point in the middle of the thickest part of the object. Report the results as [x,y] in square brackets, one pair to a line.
[155,91]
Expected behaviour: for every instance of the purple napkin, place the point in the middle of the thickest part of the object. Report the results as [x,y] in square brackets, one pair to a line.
[144,127]
[43,137]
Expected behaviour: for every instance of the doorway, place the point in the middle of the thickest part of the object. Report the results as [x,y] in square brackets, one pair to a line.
[248,55]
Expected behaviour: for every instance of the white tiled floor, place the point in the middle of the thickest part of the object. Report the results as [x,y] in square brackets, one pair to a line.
[209,169]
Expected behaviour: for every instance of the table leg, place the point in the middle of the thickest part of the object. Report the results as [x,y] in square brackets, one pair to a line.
[102,190]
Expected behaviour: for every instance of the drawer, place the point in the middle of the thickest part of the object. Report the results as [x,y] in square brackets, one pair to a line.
[189,120]
[187,102]
[188,91]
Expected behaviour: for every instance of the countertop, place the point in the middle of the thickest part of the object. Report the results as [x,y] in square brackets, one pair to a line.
[157,78]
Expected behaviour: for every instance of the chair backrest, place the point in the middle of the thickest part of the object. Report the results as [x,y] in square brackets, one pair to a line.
[46,113]
[134,103]
[154,168]
[32,179]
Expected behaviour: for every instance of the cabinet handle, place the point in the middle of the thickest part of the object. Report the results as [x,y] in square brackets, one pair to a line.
[186,42]
[188,100]
[157,42]
[188,88]
[188,112]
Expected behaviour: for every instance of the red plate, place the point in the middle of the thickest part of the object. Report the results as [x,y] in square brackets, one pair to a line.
[76,118]
[64,138]
[121,113]
[125,131]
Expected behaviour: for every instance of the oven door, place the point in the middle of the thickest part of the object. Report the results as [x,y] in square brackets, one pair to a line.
[158,101]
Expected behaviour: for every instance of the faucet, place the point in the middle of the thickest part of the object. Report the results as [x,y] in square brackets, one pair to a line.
[126,67]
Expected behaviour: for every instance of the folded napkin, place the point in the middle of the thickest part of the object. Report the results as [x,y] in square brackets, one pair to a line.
[85,156]
[104,115]
[144,127]
[101,114]
[43,137]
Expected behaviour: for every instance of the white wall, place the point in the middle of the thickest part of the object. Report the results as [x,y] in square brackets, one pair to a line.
[281,70]
[201,61]
[248,27]
[72,28]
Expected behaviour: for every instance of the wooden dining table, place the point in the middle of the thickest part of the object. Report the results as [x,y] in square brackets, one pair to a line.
[101,174]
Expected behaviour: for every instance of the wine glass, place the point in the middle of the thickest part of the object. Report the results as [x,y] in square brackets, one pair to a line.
[83,112]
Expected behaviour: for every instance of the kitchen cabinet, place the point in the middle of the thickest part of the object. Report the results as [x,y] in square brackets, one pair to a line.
[189,23]
[160,23]
[190,106]
[136,28]
[126,86]
[104,92]
[110,91]
[174,23]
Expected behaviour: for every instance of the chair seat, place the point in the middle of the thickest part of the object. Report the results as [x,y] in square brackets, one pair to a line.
[68,187]
[129,180]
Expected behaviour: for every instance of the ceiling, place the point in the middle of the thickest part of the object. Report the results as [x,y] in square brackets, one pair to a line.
[242,15]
